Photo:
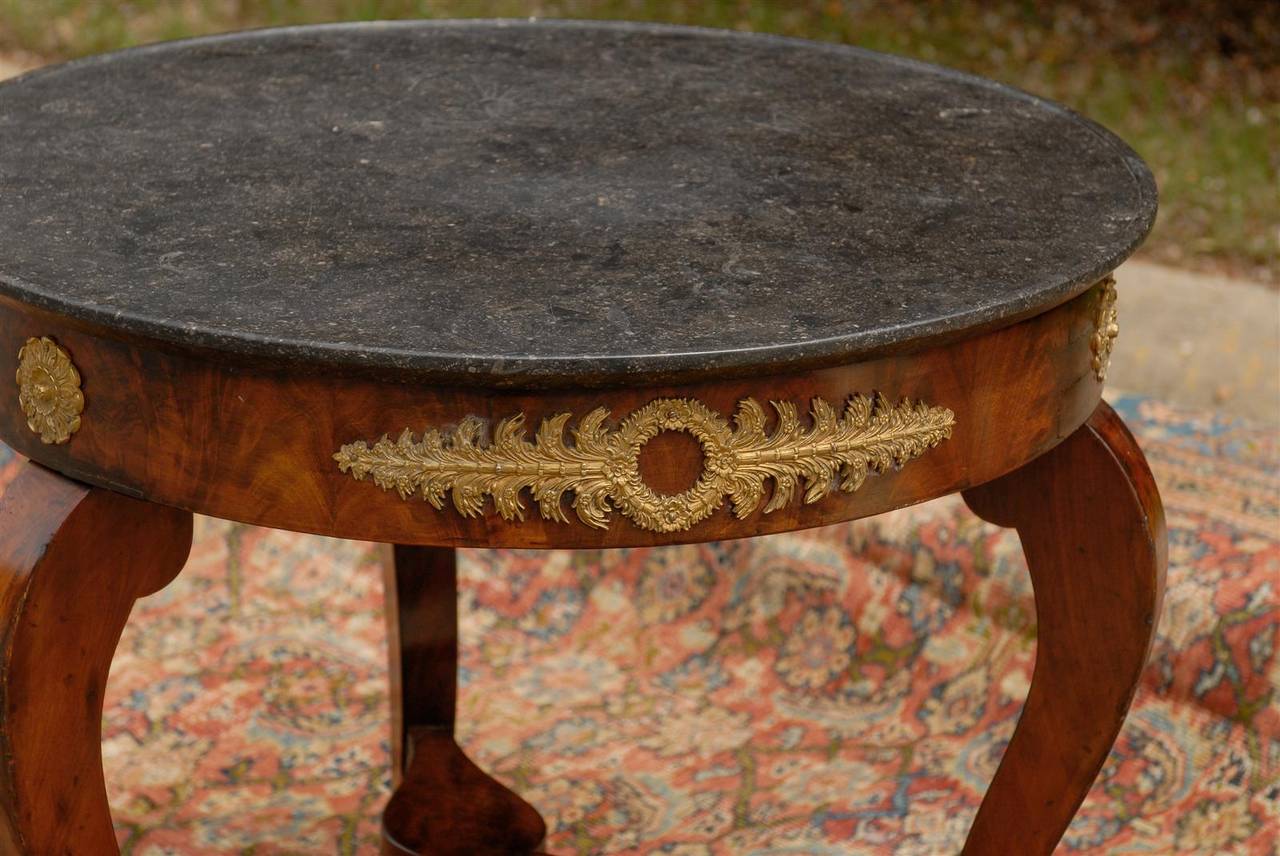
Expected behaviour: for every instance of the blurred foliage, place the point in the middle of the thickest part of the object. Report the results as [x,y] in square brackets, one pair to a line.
[1193,86]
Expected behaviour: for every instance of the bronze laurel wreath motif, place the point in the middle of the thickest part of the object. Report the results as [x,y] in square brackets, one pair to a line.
[49,390]
[601,466]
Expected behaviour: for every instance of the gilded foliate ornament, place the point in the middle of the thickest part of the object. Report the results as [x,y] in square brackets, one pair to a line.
[600,467]
[49,390]
[1106,326]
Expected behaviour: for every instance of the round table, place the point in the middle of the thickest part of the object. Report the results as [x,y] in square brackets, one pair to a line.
[549,284]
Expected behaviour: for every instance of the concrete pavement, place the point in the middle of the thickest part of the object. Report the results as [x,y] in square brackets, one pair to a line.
[1190,338]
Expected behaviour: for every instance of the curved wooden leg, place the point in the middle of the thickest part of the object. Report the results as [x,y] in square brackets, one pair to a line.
[1092,527]
[444,805]
[73,559]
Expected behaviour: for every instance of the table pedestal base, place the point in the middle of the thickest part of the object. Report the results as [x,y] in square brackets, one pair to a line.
[447,806]
[443,805]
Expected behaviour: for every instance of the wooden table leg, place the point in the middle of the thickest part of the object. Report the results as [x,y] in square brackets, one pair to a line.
[1092,527]
[443,805]
[73,559]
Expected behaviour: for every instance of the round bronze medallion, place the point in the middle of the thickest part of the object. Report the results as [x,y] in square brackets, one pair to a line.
[49,390]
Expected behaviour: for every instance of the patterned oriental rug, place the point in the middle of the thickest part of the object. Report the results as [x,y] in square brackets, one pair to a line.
[846,690]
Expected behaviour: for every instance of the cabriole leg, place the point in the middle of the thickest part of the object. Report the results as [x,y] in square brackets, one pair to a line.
[1093,531]
[73,559]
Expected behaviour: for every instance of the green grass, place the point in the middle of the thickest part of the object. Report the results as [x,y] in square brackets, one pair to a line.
[1208,126]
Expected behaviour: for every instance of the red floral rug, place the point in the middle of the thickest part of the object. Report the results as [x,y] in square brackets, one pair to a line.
[846,690]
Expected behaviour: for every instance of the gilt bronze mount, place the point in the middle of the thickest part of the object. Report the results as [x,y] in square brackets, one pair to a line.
[601,466]
[49,390]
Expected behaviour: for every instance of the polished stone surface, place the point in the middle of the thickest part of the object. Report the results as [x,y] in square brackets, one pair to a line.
[549,203]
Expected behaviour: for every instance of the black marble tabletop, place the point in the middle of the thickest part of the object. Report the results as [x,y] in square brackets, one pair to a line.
[544,203]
